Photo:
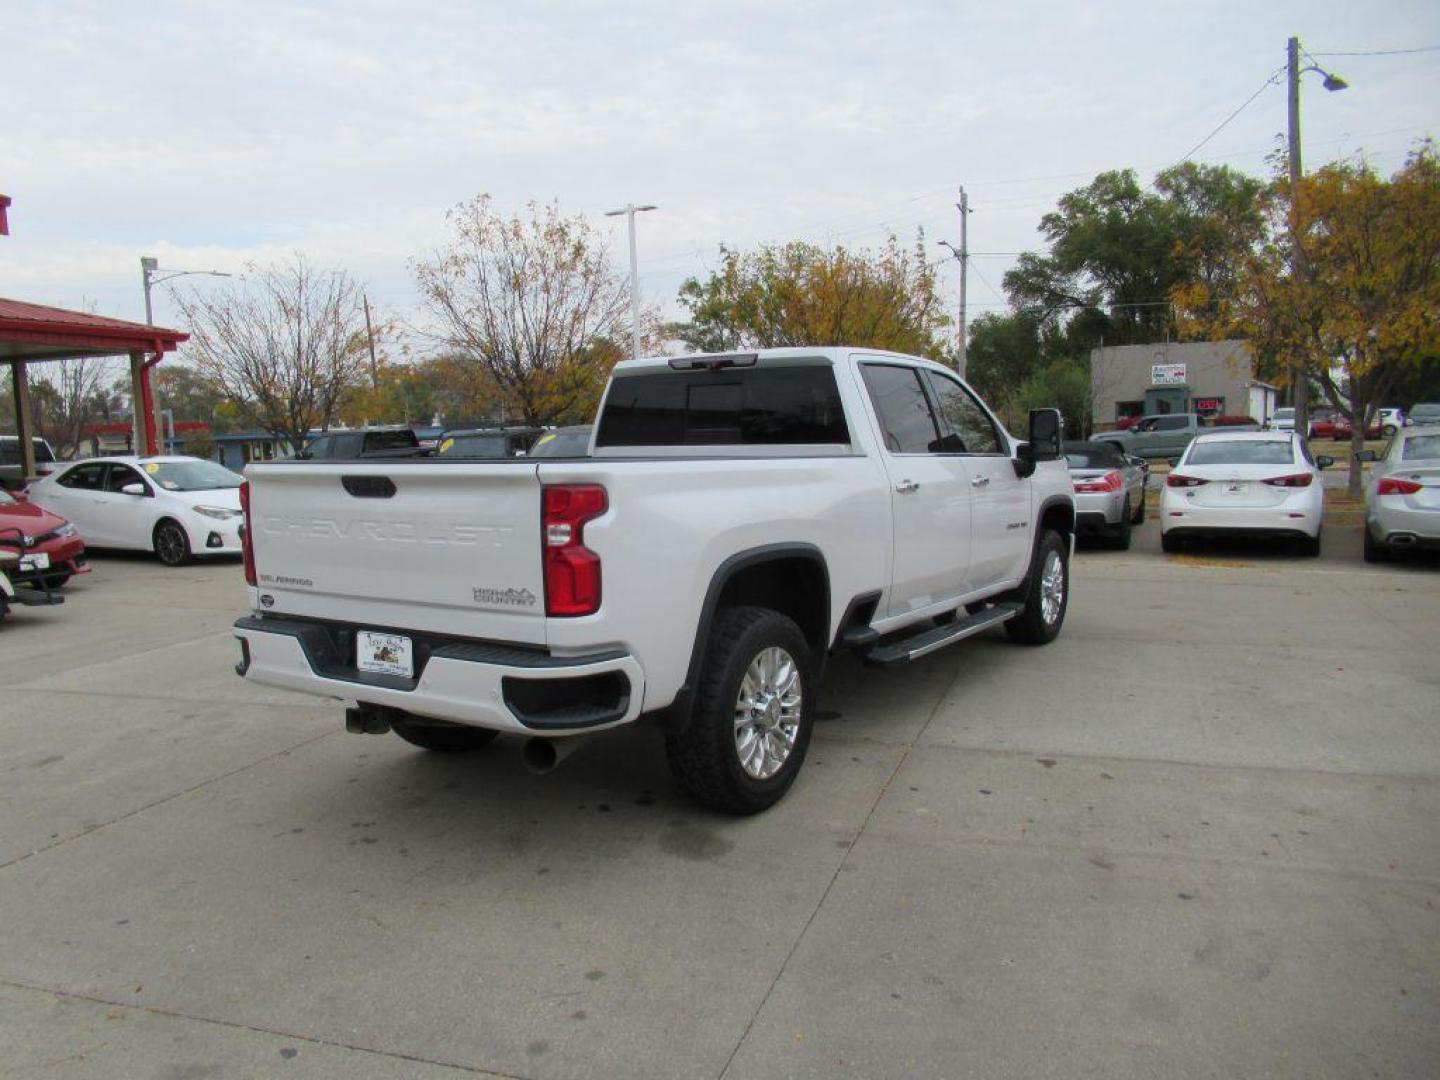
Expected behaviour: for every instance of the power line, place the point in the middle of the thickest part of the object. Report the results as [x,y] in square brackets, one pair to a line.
[1273,79]
[1382,52]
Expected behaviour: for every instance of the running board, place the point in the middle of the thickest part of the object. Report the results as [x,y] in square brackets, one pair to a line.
[912,648]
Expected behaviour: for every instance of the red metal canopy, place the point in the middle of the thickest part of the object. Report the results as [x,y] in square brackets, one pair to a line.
[33,333]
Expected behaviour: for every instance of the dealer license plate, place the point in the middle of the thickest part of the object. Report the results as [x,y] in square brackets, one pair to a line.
[384,654]
[38,561]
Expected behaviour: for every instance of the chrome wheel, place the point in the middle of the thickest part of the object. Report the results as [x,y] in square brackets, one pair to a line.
[1052,588]
[767,712]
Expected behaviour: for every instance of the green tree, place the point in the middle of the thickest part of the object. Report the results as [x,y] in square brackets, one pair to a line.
[1117,252]
[190,394]
[801,294]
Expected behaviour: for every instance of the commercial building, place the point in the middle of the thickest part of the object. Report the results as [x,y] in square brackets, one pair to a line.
[1213,378]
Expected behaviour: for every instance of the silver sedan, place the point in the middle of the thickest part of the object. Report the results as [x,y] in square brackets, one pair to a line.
[1402,496]
[1109,490]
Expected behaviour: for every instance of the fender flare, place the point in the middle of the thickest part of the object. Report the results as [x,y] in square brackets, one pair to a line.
[734,564]
[1041,510]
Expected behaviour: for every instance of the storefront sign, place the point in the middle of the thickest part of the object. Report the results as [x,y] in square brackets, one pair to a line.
[1167,374]
[1208,405]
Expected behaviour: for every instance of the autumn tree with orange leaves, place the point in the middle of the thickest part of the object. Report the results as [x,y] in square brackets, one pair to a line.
[802,294]
[1351,295]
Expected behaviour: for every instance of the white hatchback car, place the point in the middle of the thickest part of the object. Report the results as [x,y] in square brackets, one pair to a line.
[1244,483]
[177,507]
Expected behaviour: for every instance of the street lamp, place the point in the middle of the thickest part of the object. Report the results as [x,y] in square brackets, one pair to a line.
[1332,83]
[630,210]
[151,274]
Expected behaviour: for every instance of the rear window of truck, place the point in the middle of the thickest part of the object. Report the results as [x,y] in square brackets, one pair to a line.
[731,407]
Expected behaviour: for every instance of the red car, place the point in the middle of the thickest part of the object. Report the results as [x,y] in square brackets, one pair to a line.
[32,530]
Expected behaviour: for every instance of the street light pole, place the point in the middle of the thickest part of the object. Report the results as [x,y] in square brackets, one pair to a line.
[1300,381]
[150,275]
[630,210]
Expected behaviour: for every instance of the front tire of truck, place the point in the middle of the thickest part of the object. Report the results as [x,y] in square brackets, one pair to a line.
[745,739]
[1048,595]
[447,738]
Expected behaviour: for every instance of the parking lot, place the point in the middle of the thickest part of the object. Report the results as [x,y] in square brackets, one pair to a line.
[1194,837]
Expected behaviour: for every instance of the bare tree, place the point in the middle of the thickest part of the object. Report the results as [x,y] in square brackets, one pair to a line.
[68,395]
[534,301]
[284,343]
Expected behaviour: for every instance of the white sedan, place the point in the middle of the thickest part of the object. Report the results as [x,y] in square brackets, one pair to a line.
[1244,483]
[177,507]
[1402,496]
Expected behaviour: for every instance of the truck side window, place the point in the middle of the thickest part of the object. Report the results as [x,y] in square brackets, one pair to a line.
[969,428]
[1171,423]
[902,407]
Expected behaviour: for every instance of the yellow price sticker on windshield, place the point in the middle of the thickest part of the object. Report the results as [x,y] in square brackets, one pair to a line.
[543,440]
[446,445]
[152,468]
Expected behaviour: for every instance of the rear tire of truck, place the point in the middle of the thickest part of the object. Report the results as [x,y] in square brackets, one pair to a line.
[447,738]
[1048,594]
[749,727]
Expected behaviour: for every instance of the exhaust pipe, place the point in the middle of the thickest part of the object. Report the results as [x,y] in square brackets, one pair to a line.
[367,720]
[542,755]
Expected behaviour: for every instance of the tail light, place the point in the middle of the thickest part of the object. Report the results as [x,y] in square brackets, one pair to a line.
[1391,485]
[1111,481]
[572,571]
[1295,480]
[247,549]
[1176,480]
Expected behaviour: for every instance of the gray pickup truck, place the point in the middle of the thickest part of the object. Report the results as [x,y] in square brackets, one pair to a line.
[1163,436]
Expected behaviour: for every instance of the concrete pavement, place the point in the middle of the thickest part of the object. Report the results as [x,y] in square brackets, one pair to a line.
[1193,837]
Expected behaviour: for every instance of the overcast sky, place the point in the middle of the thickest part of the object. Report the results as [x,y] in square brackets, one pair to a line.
[215,134]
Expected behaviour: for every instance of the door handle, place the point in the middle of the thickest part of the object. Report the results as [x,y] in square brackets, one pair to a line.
[979,481]
[905,487]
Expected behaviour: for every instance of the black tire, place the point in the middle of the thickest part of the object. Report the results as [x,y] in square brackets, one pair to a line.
[172,545]
[1139,509]
[447,738]
[1170,543]
[1375,550]
[1310,546]
[703,748]
[1033,626]
[56,581]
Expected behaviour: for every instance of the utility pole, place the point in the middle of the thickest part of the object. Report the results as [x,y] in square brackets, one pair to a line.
[962,254]
[1300,381]
[630,210]
[964,207]
[370,335]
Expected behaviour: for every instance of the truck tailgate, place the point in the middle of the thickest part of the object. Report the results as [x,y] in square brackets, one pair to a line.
[447,548]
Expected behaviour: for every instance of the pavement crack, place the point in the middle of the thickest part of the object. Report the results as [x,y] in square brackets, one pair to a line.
[256,1029]
[168,798]
[940,700]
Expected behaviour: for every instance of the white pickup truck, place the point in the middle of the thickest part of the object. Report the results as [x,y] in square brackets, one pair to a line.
[738,518]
